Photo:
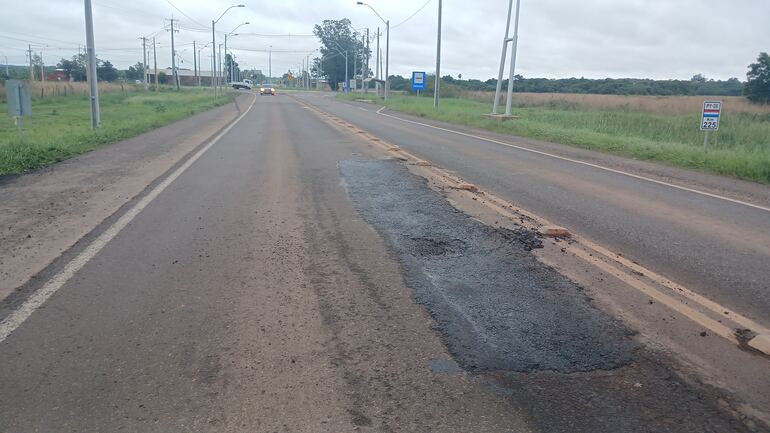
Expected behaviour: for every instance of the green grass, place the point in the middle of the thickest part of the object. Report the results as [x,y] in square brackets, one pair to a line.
[60,127]
[741,147]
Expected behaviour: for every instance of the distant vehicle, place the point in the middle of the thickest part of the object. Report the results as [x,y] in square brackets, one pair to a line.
[267,89]
[245,84]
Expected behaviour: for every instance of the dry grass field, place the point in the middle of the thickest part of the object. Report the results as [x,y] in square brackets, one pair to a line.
[47,89]
[652,104]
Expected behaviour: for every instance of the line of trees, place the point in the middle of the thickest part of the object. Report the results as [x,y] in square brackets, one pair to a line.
[75,69]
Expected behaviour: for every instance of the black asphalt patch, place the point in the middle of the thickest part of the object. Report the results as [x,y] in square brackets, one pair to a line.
[497,307]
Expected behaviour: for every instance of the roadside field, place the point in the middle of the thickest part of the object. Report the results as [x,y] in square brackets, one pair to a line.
[49,89]
[60,127]
[632,127]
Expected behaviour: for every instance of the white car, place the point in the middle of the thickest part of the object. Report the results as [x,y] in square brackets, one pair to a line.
[245,84]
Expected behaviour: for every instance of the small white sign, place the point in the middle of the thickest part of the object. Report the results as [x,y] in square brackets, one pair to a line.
[712,111]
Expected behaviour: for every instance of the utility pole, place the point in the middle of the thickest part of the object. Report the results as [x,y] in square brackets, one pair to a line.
[438,60]
[387,57]
[270,65]
[155,61]
[42,68]
[514,41]
[31,67]
[91,71]
[366,68]
[195,63]
[213,54]
[307,65]
[144,61]
[355,70]
[174,75]
[231,61]
[377,63]
[513,60]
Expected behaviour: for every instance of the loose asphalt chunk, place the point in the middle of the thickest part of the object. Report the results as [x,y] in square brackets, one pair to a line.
[497,307]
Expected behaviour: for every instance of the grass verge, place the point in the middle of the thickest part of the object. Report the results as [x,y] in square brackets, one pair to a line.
[741,147]
[60,127]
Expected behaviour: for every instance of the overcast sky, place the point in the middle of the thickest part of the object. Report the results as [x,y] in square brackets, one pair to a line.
[557,38]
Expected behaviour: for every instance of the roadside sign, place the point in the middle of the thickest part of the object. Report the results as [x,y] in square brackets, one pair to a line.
[19,98]
[418,80]
[19,103]
[712,111]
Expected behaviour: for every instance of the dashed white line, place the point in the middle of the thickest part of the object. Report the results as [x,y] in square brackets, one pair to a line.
[15,319]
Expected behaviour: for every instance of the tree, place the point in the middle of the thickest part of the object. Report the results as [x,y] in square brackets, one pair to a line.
[337,38]
[757,88]
[75,68]
[698,78]
[105,71]
[135,72]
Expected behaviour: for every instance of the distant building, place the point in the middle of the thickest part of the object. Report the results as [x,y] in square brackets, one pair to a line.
[57,75]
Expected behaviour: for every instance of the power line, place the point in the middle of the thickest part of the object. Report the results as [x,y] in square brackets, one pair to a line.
[186,16]
[412,16]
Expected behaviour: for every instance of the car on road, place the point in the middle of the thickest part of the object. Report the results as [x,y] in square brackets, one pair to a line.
[245,84]
[267,89]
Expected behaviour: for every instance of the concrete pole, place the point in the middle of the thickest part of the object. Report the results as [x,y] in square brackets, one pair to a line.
[213,54]
[387,58]
[144,61]
[377,63]
[513,61]
[195,64]
[174,75]
[270,65]
[155,63]
[366,69]
[355,71]
[438,60]
[219,71]
[31,67]
[499,88]
[225,63]
[347,82]
[91,75]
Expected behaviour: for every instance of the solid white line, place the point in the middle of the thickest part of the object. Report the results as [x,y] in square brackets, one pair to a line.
[362,109]
[636,176]
[15,319]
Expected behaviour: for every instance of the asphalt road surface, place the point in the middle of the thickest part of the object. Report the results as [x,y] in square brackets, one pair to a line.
[718,248]
[271,286]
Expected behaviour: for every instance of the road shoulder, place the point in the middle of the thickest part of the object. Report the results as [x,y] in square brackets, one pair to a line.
[45,212]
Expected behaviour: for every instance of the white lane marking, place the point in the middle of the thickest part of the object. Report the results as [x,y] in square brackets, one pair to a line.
[612,170]
[362,109]
[15,319]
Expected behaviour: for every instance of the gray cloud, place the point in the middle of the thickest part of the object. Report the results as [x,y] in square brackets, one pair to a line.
[558,38]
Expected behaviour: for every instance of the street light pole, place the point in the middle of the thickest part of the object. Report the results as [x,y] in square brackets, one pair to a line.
[387,45]
[91,75]
[214,45]
[438,60]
